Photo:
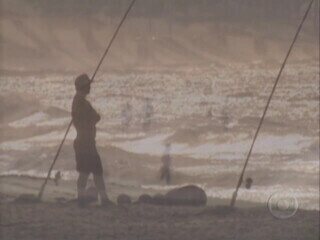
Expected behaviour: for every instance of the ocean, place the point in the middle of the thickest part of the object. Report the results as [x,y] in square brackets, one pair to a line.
[208,115]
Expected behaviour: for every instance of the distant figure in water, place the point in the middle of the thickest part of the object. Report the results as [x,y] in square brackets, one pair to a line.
[225,116]
[249,182]
[166,163]
[57,178]
[148,114]
[88,161]
[126,116]
[209,113]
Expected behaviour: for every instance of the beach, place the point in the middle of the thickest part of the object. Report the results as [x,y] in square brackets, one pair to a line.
[58,217]
[197,105]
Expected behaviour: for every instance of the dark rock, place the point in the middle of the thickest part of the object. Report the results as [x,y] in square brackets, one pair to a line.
[187,195]
[159,199]
[123,199]
[145,198]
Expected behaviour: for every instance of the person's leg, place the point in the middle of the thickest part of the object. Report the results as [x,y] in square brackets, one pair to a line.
[100,185]
[168,177]
[81,187]
[162,173]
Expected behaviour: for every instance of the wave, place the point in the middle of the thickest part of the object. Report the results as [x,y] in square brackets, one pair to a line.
[30,120]
[65,175]
[266,144]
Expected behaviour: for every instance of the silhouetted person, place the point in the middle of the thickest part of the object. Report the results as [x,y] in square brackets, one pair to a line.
[249,182]
[209,114]
[225,119]
[126,116]
[57,178]
[148,114]
[88,160]
[225,116]
[166,163]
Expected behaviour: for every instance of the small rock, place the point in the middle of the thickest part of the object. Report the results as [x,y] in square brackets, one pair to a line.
[145,198]
[159,199]
[188,195]
[123,199]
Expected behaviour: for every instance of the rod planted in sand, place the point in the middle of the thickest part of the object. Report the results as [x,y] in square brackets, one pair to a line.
[91,80]
[235,193]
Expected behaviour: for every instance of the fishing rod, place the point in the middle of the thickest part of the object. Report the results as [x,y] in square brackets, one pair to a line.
[235,193]
[91,80]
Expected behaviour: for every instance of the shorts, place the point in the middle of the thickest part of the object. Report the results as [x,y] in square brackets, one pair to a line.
[87,157]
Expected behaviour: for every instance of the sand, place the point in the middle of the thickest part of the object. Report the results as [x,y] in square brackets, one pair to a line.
[50,219]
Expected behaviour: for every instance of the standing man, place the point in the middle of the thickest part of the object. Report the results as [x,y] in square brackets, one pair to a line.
[88,161]
[57,178]
[148,114]
[126,116]
[166,163]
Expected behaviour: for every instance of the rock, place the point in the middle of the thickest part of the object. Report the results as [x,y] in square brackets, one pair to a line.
[91,195]
[159,199]
[187,195]
[123,199]
[145,198]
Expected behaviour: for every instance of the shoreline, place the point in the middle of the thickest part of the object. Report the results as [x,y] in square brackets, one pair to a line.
[13,186]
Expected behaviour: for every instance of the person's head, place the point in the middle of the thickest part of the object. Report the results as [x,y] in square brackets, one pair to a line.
[82,84]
